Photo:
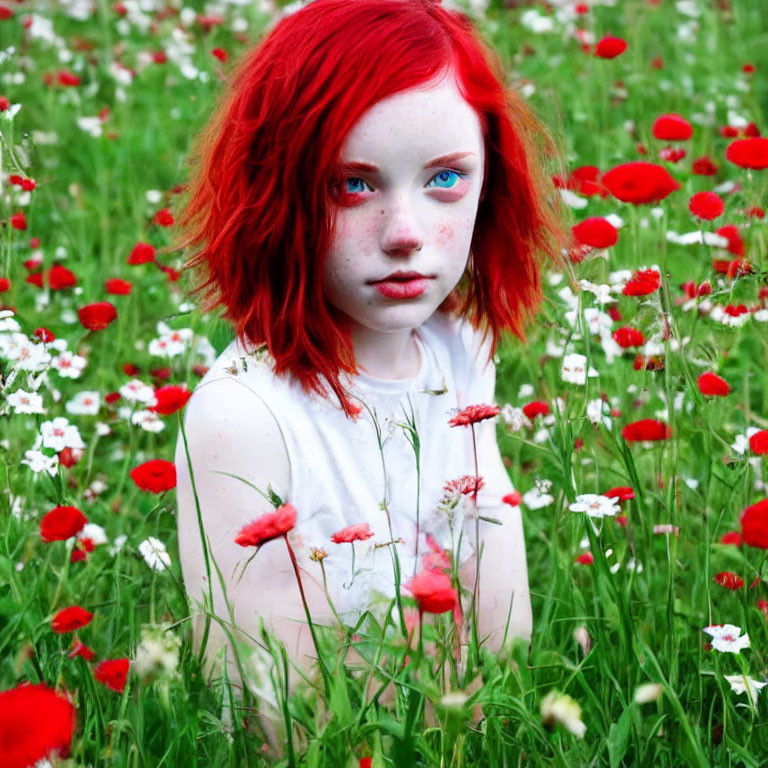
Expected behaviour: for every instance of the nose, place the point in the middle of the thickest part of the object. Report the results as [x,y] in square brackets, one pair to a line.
[401,233]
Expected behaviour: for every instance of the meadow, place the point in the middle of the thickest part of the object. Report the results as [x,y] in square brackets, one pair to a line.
[633,422]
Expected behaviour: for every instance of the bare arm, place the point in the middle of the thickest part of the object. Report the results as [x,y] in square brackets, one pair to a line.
[230,429]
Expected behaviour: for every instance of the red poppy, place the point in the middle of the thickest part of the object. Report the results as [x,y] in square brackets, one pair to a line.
[731,233]
[628,337]
[585,558]
[170,399]
[645,429]
[19,221]
[464,485]
[117,287]
[352,533]
[366,762]
[5,284]
[60,278]
[436,559]
[70,619]
[712,385]
[433,591]
[703,166]
[220,54]
[610,47]
[597,232]
[748,153]
[113,673]
[472,414]
[644,282]
[672,128]
[732,537]
[78,649]
[754,525]
[621,492]
[693,291]
[640,182]
[35,723]
[514,499]
[163,218]
[67,78]
[61,523]
[536,408]
[96,317]
[729,580]
[44,335]
[155,475]
[142,253]
[268,526]
[758,443]
[706,205]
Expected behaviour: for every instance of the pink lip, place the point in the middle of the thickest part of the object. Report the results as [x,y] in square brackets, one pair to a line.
[403,289]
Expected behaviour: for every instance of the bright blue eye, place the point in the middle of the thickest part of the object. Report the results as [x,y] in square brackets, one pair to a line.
[446,176]
[354,179]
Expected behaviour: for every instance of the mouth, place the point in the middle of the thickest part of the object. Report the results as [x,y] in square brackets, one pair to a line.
[401,277]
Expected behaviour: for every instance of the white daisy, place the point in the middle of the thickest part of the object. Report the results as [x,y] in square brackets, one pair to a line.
[595,505]
[745,684]
[154,553]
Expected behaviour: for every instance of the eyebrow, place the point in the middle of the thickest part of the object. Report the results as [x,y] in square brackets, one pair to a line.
[438,161]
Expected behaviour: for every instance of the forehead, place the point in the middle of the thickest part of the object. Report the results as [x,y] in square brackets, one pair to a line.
[416,125]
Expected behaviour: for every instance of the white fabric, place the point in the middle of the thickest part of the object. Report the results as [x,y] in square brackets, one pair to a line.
[336,474]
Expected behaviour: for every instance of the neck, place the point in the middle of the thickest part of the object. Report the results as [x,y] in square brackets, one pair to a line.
[386,355]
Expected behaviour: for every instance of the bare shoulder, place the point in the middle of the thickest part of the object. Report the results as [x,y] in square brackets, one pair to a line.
[229,428]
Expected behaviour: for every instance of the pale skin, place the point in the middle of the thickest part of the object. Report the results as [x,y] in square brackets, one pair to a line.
[402,220]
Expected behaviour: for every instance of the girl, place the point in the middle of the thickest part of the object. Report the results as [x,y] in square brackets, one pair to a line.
[367,207]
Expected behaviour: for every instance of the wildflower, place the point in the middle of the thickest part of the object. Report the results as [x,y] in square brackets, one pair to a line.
[731,233]
[538,497]
[35,723]
[96,317]
[463,485]
[672,127]
[84,403]
[61,523]
[748,153]
[473,414]
[727,638]
[704,166]
[596,232]
[514,418]
[60,278]
[758,442]
[574,369]
[155,476]
[117,287]
[706,205]
[620,492]
[581,636]
[560,708]
[113,673]
[536,408]
[732,537]
[648,692]
[351,533]
[170,399]
[729,580]
[70,619]
[710,384]
[220,54]
[754,525]
[317,554]
[745,684]
[163,218]
[78,649]
[437,558]
[25,402]
[610,47]
[514,499]
[594,505]
[155,554]
[645,429]
[639,183]
[628,337]
[19,221]
[268,526]
[59,434]
[142,253]
[157,654]
[644,282]
[662,528]
[433,591]
[585,558]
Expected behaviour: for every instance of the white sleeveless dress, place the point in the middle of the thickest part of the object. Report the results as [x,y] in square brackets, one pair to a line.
[337,477]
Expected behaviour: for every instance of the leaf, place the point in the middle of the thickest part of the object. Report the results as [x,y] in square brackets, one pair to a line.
[618,737]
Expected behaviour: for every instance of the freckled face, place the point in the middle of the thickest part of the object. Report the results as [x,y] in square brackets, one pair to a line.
[398,215]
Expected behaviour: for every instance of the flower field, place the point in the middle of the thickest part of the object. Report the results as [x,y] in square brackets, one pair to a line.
[633,422]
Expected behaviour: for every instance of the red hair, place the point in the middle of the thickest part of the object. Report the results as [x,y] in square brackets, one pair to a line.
[258,212]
